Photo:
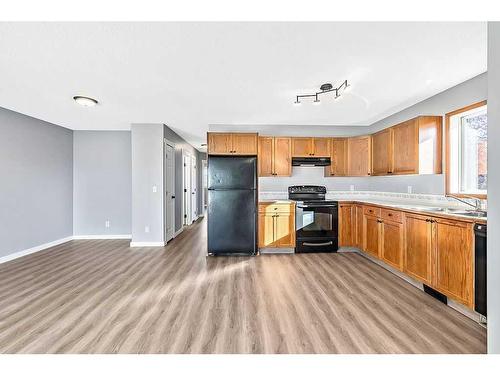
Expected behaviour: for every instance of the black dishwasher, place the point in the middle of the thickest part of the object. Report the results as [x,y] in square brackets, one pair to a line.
[480,269]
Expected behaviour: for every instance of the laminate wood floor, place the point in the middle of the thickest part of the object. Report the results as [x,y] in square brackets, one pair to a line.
[101,296]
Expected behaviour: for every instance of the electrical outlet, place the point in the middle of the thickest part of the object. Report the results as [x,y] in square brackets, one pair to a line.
[146,229]
[107,224]
[410,189]
[351,187]
[155,189]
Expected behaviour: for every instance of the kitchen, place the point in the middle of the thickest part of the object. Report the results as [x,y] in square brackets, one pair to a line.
[436,242]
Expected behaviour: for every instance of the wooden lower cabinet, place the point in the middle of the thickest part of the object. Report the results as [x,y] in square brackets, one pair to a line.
[371,235]
[358,226]
[391,243]
[346,225]
[418,247]
[276,225]
[453,259]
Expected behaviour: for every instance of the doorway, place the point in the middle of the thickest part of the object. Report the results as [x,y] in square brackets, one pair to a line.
[194,189]
[169,184]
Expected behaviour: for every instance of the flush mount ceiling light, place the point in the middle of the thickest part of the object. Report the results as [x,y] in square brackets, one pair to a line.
[85,101]
[325,88]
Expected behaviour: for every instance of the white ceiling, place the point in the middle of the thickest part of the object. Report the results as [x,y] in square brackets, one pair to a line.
[190,75]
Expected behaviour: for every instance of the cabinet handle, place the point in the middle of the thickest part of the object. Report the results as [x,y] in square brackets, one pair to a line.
[389,172]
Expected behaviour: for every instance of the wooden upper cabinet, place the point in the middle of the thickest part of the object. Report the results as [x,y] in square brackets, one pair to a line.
[346,225]
[417,260]
[302,147]
[382,152]
[417,147]
[454,259]
[321,147]
[220,143]
[232,143]
[275,156]
[359,156]
[265,156]
[338,156]
[282,156]
[244,143]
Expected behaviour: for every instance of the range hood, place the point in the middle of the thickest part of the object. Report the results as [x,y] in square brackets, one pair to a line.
[315,162]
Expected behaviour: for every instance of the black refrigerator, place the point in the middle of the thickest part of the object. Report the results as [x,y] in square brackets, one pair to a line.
[232,205]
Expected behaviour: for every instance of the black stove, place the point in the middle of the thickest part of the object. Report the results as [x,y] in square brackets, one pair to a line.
[316,219]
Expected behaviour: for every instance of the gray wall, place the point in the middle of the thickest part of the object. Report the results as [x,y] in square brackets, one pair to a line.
[181,144]
[493,187]
[36,192]
[102,181]
[147,171]
[468,92]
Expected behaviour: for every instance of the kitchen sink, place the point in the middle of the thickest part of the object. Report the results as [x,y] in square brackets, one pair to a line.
[470,213]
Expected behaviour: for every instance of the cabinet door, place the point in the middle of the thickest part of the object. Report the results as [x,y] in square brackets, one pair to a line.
[338,155]
[266,230]
[405,148]
[219,143]
[301,147]
[371,235]
[265,156]
[392,243]
[453,255]
[417,260]
[382,152]
[244,143]
[346,225]
[358,232]
[284,230]
[358,156]
[321,147]
[282,156]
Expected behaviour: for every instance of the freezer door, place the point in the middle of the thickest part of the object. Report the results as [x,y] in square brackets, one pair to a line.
[232,222]
[233,172]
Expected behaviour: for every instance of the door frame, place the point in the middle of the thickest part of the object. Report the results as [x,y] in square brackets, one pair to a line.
[186,213]
[169,143]
[194,188]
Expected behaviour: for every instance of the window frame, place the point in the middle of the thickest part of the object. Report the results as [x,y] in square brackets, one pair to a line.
[448,148]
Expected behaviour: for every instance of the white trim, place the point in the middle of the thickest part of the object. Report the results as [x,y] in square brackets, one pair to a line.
[34,249]
[147,244]
[179,232]
[102,237]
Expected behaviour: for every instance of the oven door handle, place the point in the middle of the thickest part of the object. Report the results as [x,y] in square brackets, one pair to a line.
[317,244]
[326,205]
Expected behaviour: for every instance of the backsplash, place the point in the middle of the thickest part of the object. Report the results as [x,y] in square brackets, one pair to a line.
[404,198]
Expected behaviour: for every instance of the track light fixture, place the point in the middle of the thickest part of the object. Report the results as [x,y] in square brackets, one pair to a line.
[325,88]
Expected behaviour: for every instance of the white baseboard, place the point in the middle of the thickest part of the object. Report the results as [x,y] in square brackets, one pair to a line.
[147,244]
[179,231]
[103,237]
[35,249]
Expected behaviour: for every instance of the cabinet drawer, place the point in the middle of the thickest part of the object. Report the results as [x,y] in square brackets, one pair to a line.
[276,207]
[373,211]
[392,215]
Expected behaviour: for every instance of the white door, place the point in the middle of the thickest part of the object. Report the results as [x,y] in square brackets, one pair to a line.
[169,192]
[194,185]
[187,189]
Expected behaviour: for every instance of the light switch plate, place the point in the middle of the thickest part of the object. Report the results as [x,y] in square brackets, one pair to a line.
[410,189]
[155,189]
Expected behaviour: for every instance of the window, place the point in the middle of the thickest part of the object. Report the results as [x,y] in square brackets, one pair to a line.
[466,149]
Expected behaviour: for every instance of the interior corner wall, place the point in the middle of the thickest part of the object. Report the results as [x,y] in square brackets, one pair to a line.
[102,183]
[147,172]
[471,91]
[493,256]
[36,191]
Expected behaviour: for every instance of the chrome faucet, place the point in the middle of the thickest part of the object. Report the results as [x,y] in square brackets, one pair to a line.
[478,203]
